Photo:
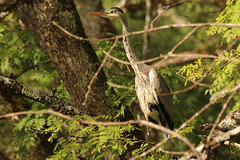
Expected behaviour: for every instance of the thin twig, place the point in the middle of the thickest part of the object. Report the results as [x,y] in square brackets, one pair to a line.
[99,69]
[152,149]
[213,143]
[220,94]
[146,36]
[172,152]
[120,86]
[162,94]
[148,30]
[196,82]
[116,59]
[220,115]
[197,55]
[165,9]
[212,100]
[183,40]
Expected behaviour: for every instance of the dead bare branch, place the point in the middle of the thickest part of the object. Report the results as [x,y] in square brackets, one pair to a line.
[97,72]
[214,143]
[172,152]
[213,99]
[120,86]
[116,59]
[174,59]
[148,30]
[220,115]
[146,36]
[164,10]
[234,144]
[228,123]
[183,40]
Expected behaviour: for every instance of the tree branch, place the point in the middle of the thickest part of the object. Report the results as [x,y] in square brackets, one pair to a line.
[227,128]
[147,30]
[97,72]
[147,36]
[228,123]
[220,115]
[234,144]
[164,9]
[183,40]
[46,98]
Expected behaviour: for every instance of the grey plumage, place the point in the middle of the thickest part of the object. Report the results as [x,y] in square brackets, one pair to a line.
[149,83]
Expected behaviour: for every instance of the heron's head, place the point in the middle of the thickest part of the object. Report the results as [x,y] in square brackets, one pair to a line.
[114,12]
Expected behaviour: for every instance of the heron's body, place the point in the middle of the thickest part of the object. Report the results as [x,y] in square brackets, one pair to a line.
[149,83]
[156,108]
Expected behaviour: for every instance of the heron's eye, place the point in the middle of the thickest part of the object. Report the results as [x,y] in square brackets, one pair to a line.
[112,11]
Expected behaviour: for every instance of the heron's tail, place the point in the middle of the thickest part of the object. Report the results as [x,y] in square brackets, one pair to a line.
[165,135]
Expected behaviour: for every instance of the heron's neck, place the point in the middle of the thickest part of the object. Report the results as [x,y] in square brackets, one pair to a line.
[127,46]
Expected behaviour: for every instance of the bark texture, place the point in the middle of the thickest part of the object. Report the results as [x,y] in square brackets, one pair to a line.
[75,60]
[13,88]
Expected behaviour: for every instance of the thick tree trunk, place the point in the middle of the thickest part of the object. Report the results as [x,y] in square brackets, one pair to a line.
[75,60]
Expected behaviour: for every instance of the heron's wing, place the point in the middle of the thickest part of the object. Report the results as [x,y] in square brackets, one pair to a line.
[165,101]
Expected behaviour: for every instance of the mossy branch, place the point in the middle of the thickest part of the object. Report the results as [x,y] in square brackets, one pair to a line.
[44,97]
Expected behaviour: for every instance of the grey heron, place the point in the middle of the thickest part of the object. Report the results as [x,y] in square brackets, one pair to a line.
[149,83]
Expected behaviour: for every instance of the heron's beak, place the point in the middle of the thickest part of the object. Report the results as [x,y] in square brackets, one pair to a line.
[98,13]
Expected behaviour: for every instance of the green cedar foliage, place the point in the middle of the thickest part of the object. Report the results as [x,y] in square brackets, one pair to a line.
[18,52]
[222,74]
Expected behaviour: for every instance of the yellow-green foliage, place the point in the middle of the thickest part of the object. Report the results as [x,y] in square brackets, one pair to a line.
[193,71]
[226,72]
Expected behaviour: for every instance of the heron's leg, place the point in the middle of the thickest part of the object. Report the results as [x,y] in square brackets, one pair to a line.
[147,126]
[148,139]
